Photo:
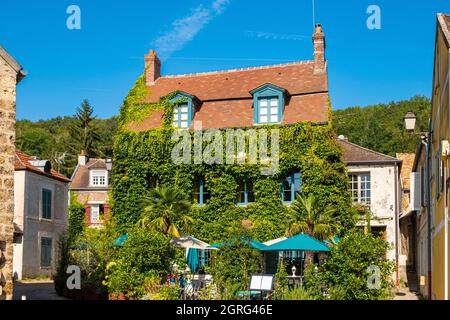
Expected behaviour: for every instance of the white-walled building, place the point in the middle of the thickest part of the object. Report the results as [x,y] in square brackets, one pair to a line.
[374,181]
[40,216]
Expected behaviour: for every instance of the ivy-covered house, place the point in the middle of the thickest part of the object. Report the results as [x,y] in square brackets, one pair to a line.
[285,105]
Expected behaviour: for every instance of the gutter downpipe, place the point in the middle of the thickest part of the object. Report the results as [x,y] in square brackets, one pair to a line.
[429,233]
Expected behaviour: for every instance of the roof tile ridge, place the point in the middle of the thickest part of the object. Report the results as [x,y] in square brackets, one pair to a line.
[237,70]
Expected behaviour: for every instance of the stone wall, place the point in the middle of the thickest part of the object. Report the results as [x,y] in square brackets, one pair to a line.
[8,79]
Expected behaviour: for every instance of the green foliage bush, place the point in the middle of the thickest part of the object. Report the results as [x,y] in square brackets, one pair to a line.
[281,282]
[90,251]
[77,216]
[345,272]
[145,255]
[233,264]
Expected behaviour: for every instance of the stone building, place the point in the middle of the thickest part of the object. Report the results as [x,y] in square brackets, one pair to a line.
[40,216]
[11,73]
[91,185]
[374,181]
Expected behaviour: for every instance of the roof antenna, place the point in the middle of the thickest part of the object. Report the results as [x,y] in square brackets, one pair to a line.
[314,14]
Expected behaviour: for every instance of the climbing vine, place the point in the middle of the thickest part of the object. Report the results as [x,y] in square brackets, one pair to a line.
[142,158]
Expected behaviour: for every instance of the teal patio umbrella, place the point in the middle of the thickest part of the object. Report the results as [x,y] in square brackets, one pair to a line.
[253,243]
[192,259]
[120,240]
[300,242]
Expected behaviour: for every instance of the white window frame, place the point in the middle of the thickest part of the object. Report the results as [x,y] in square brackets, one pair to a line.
[268,110]
[98,173]
[97,210]
[359,198]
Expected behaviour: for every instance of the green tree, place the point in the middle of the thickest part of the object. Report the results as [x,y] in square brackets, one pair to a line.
[165,210]
[306,216]
[381,127]
[84,130]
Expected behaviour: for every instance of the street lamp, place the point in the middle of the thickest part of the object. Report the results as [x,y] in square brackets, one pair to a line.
[410,121]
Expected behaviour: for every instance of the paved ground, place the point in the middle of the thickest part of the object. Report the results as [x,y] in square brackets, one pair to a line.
[406,294]
[412,289]
[35,290]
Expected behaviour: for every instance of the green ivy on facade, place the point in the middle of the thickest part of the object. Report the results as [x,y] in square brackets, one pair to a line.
[142,158]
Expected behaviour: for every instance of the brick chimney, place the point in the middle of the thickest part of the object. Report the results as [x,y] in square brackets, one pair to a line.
[152,68]
[319,50]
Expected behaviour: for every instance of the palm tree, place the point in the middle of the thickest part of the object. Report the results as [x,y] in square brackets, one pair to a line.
[307,217]
[165,208]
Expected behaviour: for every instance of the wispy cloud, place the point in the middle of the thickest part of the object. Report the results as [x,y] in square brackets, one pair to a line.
[275,36]
[185,29]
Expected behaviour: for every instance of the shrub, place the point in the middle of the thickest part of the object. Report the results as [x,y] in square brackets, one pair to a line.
[77,215]
[281,282]
[145,255]
[344,275]
[297,294]
[233,264]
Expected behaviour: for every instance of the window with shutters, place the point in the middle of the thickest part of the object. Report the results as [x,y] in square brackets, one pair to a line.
[46,252]
[46,204]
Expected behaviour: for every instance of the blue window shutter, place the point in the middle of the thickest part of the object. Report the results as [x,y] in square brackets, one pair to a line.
[201,191]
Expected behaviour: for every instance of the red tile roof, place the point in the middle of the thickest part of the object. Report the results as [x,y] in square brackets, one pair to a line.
[297,78]
[226,100]
[22,162]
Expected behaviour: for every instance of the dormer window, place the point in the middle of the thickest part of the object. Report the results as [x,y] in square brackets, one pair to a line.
[181,116]
[268,104]
[99,178]
[183,112]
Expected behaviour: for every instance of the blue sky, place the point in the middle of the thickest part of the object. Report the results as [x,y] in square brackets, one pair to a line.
[101,61]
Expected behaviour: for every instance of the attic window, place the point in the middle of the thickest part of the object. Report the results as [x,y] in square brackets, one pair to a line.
[99,178]
[183,112]
[268,104]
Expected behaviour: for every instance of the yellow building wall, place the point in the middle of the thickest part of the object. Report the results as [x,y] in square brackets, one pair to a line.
[440,125]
